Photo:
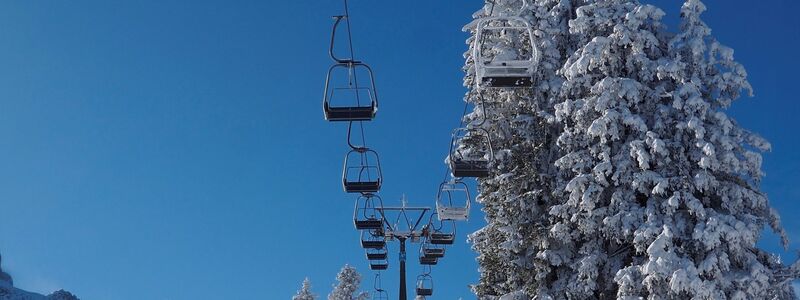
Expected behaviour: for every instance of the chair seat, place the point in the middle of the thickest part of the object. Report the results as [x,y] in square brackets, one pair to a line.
[428,261]
[470,168]
[442,239]
[353,113]
[507,81]
[377,256]
[378,267]
[373,244]
[362,187]
[424,292]
[509,64]
[368,224]
[452,213]
[433,253]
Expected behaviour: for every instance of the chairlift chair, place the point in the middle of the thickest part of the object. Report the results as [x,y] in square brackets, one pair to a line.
[379,266]
[373,239]
[353,109]
[367,214]
[355,103]
[442,238]
[362,171]
[428,261]
[477,162]
[442,235]
[424,285]
[445,198]
[429,250]
[495,65]
[377,254]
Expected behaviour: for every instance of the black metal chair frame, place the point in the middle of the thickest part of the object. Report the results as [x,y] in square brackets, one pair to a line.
[364,166]
[432,251]
[428,261]
[350,113]
[379,266]
[422,289]
[367,215]
[377,254]
[460,166]
[439,237]
[373,239]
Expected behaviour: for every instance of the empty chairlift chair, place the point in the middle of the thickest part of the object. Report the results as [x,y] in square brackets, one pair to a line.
[368,213]
[424,285]
[377,254]
[504,52]
[438,238]
[362,171]
[432,251]
[379,266]
[350,101]
[373,239]
[449,199]
[471,153]
[445,234]
[349,88]
[378,259]
[427,260]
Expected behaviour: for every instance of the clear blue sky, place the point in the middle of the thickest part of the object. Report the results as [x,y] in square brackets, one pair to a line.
[176,149]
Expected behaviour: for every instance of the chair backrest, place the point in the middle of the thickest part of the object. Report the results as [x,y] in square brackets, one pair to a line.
[352,69]
[364,163]
[459,134]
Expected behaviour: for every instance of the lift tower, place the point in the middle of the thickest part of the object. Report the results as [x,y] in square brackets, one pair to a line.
[402,290]
[405,227]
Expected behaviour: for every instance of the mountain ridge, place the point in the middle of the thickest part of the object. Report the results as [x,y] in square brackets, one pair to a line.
[9,292]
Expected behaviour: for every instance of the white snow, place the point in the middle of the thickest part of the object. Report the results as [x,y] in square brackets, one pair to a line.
[629,179]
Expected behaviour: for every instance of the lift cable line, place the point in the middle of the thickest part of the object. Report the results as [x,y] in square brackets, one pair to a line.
[350,112]
[380,225]
[508,61]
[505,57]
[361,171]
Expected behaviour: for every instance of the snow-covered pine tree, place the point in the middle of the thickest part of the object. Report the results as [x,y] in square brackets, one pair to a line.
[305,292]
[619,175]
[349,281]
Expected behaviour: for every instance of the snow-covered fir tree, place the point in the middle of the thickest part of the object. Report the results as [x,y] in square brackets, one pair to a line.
[349,281]
[619,173]
[305,292]
[516,200]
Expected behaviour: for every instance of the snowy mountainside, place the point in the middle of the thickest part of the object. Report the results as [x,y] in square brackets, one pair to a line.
[9,292]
